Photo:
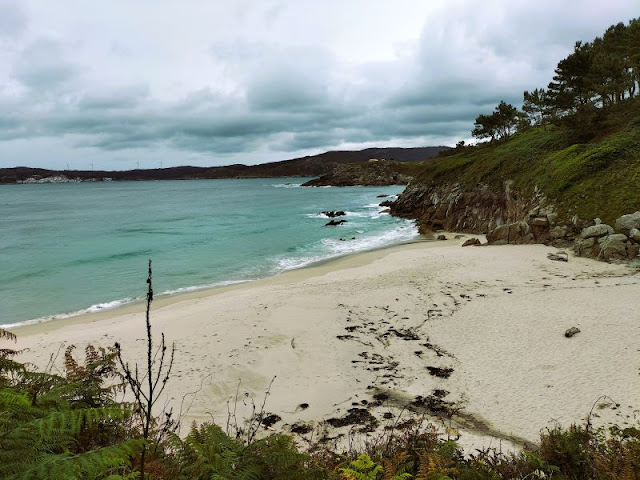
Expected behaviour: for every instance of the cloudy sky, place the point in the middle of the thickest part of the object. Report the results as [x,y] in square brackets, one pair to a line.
[111,84]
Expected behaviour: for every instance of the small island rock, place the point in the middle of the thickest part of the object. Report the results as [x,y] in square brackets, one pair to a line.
[334,223]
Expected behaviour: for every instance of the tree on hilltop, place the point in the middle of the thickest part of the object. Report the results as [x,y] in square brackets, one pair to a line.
[536,106]
[498,126]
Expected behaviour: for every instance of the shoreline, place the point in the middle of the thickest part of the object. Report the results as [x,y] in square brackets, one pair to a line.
[185,293]
[368,331]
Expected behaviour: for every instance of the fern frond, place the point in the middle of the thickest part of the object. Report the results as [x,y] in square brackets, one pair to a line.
[89,465]
[10,399]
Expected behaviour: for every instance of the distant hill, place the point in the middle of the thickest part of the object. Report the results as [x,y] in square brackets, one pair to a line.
[309,166]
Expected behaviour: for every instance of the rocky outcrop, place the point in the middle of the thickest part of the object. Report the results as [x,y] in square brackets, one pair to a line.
[515,233]
[334,213]
[480,210]
[378,173]
[599,241]
[511,217]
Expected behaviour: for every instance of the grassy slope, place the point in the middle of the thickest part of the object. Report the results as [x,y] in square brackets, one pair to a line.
[596,179]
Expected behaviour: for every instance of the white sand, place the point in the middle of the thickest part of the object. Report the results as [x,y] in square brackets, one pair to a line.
[495,314]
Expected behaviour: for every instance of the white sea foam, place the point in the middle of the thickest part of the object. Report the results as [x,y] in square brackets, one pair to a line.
[329,248]
[287,185]
[107,305]
[346,214]
[98,307]
[401,234]
[196,288]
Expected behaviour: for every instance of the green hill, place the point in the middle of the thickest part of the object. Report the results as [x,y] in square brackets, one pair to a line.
[600,178]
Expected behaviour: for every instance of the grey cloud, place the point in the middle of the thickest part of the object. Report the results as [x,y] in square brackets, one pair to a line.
[289,80]
[119,98]
[310,140]
[42,66]
[13,19]
[268,96]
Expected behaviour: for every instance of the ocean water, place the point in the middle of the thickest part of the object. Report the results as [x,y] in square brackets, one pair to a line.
[70,248]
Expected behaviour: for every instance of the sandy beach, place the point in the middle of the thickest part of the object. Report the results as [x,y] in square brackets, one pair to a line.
[381,330]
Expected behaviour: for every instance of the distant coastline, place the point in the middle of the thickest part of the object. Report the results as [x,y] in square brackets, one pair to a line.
[310,166]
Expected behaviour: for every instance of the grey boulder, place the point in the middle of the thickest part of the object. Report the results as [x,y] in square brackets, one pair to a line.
[599,230]
[628,222]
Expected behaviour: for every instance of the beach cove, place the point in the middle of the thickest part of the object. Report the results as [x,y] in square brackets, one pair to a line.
[379,331]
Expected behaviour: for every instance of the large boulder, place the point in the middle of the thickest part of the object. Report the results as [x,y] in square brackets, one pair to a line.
[599,230]
[634,235]
[559,231]
[584,247]
[513,233]
[628,222]
[613,247]
[540,229]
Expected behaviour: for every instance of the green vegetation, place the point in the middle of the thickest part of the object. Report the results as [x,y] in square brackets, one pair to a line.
[600,178]
[500,125]
[578,140]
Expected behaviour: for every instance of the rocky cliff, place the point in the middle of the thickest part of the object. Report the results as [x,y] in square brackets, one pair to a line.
[477,210]
[509,216]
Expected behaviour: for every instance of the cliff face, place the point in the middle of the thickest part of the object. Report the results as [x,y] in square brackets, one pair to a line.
[512,217]
[478,210]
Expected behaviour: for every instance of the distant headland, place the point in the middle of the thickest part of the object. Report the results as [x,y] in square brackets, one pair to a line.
[309,166]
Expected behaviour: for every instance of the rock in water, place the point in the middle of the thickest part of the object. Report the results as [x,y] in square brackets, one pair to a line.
[334,223]
[442,237]
[333,214]
[571,332]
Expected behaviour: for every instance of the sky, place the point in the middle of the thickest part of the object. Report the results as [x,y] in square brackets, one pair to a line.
[118,84]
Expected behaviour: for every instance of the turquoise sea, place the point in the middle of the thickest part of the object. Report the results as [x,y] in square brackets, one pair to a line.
[71,248]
